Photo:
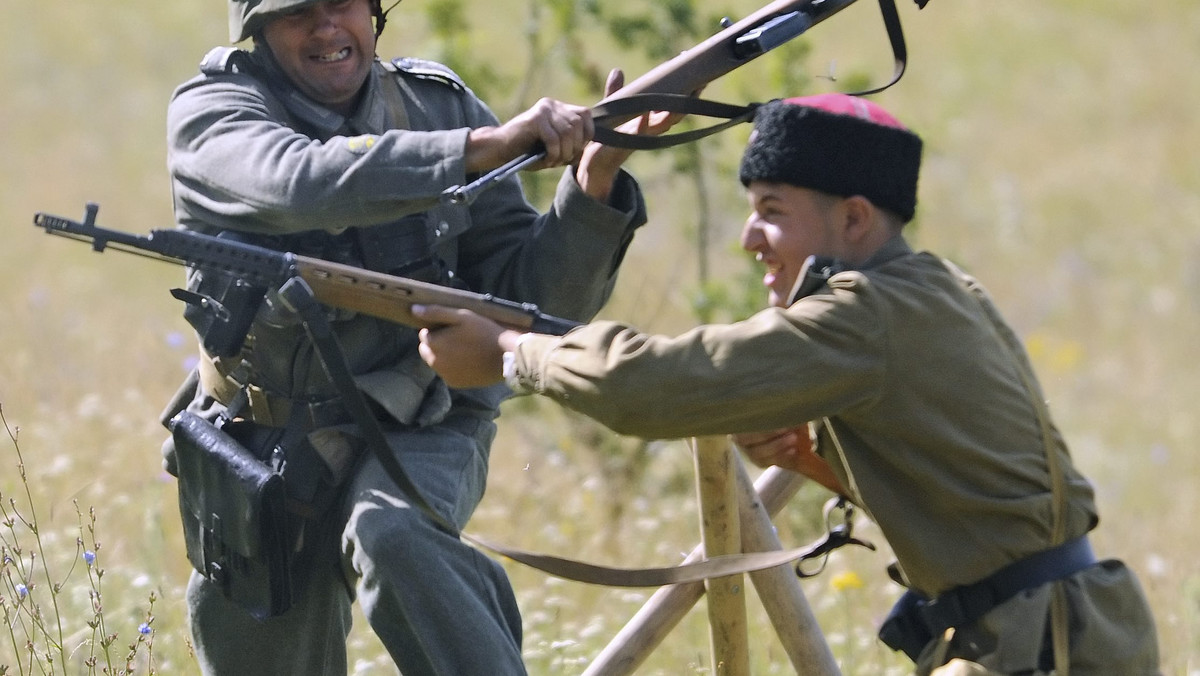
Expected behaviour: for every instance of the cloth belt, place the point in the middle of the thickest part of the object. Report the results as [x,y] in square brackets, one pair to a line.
[964,605]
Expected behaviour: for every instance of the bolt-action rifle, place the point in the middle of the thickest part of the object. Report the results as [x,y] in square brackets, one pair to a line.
[671,85]
[253,269]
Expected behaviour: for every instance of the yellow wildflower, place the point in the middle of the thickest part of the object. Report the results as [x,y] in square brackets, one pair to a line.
[846,580]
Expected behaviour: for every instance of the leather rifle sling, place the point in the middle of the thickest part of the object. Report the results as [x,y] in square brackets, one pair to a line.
[570,569]
[637,104]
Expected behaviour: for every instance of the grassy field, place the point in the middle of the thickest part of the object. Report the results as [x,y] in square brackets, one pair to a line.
[1060,169]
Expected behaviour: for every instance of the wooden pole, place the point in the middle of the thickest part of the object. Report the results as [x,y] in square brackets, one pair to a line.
[648,627]
[779,589]
[667,606]
[720,531]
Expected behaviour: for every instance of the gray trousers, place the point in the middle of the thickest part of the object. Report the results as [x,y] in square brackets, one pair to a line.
[438,605]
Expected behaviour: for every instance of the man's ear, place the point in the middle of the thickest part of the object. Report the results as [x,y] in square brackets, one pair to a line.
[858,215]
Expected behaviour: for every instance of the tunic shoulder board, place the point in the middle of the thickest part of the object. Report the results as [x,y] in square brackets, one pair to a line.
[426,70]
[220,60]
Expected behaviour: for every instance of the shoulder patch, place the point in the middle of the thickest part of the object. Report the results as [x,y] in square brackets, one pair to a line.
[426,70]
[220,60]
[848,279]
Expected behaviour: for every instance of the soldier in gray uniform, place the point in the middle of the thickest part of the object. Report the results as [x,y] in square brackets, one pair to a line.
[309,143]
[895,365]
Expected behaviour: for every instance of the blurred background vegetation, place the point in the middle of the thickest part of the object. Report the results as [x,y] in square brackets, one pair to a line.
[1061,169]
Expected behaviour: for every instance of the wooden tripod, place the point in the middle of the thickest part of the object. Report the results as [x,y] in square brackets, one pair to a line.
[735,516]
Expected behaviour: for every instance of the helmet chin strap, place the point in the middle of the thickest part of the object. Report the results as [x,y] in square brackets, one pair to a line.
[381,15]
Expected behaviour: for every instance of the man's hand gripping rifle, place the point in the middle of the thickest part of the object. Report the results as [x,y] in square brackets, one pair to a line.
[253,270]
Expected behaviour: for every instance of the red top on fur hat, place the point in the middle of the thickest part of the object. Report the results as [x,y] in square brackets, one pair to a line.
[844,104]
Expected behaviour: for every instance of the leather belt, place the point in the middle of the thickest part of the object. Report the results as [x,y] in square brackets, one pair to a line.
[276,411]
[964,605]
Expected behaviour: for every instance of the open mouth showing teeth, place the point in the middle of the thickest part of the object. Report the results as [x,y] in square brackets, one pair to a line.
[335,56]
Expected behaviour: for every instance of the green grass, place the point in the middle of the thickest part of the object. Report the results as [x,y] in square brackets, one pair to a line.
[1060,169]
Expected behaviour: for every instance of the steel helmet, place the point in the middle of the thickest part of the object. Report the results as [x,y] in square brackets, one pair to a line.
[247,17]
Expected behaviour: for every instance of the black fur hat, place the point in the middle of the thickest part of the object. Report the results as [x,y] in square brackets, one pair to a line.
[837,144]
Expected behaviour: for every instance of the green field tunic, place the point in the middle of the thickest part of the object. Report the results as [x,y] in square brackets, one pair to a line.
[907,363]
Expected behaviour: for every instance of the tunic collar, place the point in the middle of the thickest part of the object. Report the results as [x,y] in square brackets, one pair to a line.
[370,117]
[891,250]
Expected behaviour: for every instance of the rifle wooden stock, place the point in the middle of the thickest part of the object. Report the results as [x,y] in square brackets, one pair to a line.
[391,298]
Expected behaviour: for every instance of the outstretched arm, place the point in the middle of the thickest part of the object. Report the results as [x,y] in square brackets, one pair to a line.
[467,350]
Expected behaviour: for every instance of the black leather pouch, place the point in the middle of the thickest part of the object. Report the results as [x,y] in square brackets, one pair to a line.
[905,629]
[237,529]
[221,310]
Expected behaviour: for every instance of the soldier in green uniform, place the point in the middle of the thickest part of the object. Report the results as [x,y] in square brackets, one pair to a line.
[893,365]
[309,143]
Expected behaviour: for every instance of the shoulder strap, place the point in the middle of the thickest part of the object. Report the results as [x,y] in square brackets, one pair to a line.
[619,110]
[1028,382]
[426,70]
[220,60]
[298,296]
[389,86]
[891,22]
[1059,608]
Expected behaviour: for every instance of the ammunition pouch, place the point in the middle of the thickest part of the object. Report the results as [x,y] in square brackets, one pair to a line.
[403,248]
[221,309]
[905,628]
[246,495]
[250,490]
